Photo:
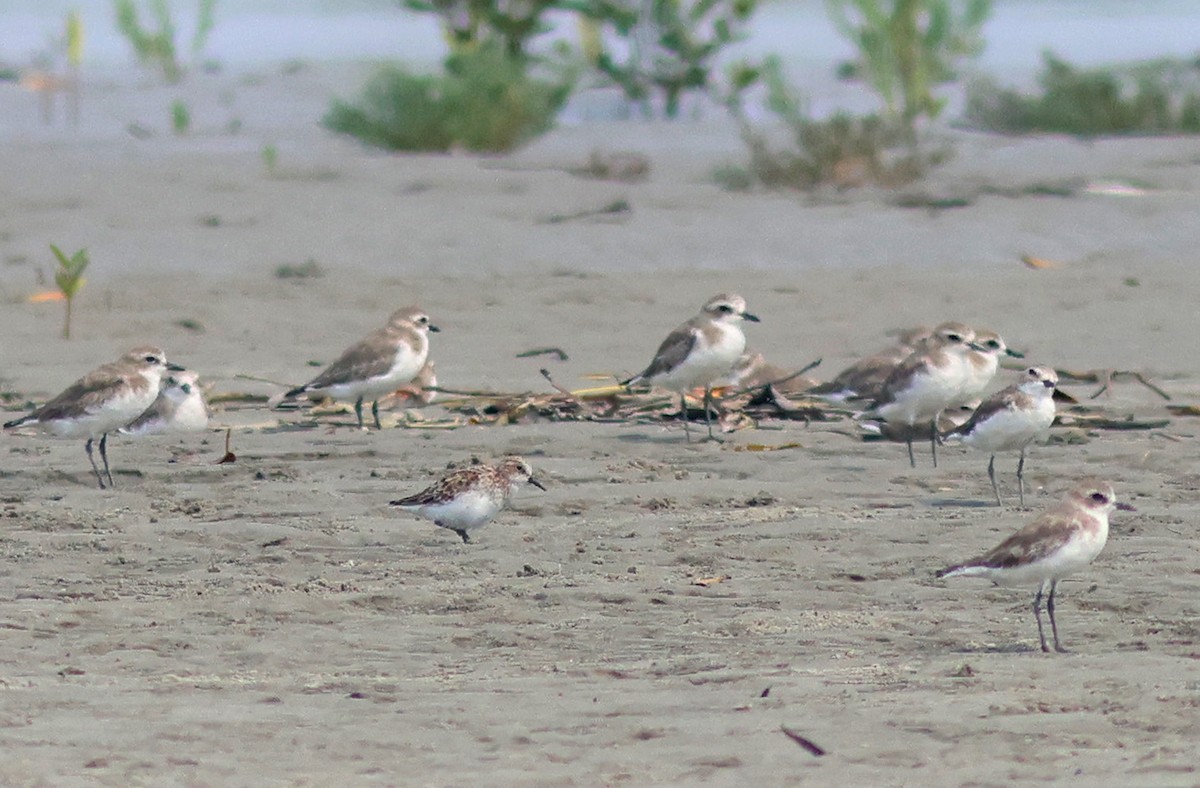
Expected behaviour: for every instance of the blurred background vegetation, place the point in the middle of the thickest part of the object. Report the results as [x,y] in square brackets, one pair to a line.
[508,68]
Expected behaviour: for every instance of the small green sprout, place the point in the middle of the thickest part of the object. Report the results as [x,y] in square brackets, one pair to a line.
[69,278]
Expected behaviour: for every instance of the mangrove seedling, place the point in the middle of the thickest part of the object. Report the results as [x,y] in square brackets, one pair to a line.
[69,278]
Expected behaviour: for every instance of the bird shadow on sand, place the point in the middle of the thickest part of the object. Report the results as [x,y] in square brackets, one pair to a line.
[960,503]
[999,648]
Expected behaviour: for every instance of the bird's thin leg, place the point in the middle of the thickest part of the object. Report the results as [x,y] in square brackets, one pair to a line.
[375,414]
[992,476]
[92,460]
[358,411]
[466,539]
[912,460]
[708,401]
[683,414]
[1054,624]
[1021,483]
[933,438]
[1037,613]
[104,456]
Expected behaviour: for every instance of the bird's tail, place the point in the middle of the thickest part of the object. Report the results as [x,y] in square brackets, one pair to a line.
[8,425]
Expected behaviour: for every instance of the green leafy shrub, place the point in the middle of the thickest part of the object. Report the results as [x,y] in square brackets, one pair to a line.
[474,23]
[842,151]
[1157,97]
[909,47]
[671,45]
[482,101]
[157,46]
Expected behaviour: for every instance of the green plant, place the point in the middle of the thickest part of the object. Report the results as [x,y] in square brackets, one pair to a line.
[69,278]
[906,48]
[157,47]
[270,157]
[483,100]
[842,151]
[181,117]
[475,23]
[671,45]
[1156,97]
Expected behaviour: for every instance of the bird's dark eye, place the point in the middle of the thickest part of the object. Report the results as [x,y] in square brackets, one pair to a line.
[1099,497]
[954,337]
[993,344]
[1033,373]
[726,308]
[151,360]
[186,388]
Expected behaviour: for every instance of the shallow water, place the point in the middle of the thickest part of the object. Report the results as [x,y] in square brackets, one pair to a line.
[250,32]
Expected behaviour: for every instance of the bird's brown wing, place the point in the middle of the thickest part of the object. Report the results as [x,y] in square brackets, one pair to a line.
[371,357]
[1000,401]
[84,395]
[671,353]
[1033,542]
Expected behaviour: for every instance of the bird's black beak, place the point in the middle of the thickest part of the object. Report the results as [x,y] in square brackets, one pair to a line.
[434,328]
[176,368]
[1062,396]
[750,317]
[1125,507]
[537,484]
[1015,354]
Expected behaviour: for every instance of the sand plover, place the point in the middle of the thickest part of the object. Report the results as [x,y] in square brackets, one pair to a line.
[950,418]
[982,362]
[1010,420]
[699,352]
[470,497]
[102,401]
[377,365]
[1062,540]
[752,369]
[930,380]
[864,378]
[179,407]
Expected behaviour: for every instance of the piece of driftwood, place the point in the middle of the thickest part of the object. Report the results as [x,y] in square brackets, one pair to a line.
[544,351]
[808,744]
[1100,421]
[1106,377]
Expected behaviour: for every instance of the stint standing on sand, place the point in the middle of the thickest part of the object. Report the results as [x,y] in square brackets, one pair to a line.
[698,353]
[470,497]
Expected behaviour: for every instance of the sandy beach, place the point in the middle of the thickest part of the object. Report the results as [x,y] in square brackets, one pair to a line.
[272,621]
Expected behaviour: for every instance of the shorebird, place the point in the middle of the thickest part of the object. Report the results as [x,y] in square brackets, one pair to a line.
[470,497]
[179,407]
[698,353]
[106,399]
[930,380]
[982,362]
[752,369]
[1010,420]
[1062,540]
[377,365]
[864,378]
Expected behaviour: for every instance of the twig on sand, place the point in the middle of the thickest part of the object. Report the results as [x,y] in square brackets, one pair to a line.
[617,207]
[229,456]
[544,351]
[1105,378]
[804,742]
[586,408]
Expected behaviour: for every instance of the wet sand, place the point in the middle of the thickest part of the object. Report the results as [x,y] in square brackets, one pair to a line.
[272,620]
